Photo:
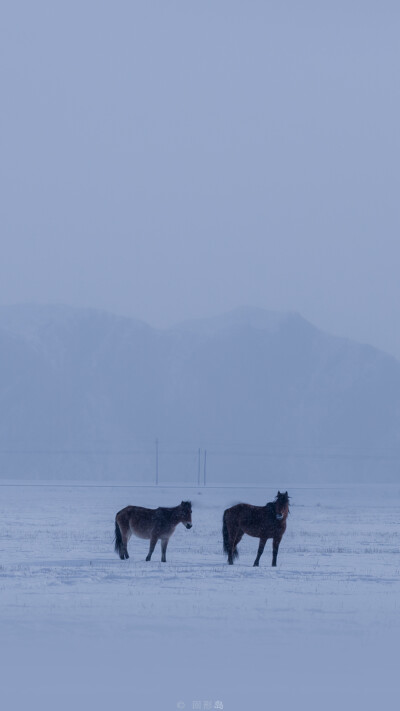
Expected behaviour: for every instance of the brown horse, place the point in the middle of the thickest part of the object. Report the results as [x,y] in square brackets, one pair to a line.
[262,522]
[152,524]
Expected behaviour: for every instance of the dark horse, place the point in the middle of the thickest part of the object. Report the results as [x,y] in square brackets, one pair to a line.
[262,522]
[152,524]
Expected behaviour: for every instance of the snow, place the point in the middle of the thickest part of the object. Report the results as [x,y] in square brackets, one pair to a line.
[82,629]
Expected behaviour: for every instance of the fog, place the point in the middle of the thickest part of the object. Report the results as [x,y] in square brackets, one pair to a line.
[175,160]
[252,396]
[162,164]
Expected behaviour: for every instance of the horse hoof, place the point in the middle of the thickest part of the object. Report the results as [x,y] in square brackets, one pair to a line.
[255,565]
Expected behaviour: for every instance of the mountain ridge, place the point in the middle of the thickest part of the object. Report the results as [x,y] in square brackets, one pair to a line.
[71,377]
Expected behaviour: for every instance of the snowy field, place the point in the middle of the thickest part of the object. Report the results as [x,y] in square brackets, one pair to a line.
[81,629]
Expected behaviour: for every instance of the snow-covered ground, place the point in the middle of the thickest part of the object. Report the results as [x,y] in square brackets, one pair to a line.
[81,629]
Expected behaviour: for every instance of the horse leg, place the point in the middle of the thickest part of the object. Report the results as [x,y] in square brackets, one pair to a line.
[260,551]
[164,543]
[122,535]
[124,550]
[275,546]
[237,540]
[153,541]
[231,547]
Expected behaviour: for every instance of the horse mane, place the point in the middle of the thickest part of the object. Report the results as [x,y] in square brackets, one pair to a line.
[172,508]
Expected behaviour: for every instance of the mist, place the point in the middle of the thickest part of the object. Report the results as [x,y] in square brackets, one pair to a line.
[199,302]
[169,162]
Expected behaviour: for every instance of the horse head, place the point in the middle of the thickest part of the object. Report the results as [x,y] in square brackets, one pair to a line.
[186,513]
[281,505]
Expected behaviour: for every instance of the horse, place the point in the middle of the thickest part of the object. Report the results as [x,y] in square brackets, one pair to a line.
[262,522]
[150,524]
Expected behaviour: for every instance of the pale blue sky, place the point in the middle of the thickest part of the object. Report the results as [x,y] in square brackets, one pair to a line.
[176,159]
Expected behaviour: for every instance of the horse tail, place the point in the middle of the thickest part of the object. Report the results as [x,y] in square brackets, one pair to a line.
[225,535]
[225,538]
[118,540]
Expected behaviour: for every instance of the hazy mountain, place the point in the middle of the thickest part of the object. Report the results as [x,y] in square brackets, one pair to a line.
[85,394]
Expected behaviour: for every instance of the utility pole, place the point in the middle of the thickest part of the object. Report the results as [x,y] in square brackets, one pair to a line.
[198,467]
[156,462]
[205,467]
